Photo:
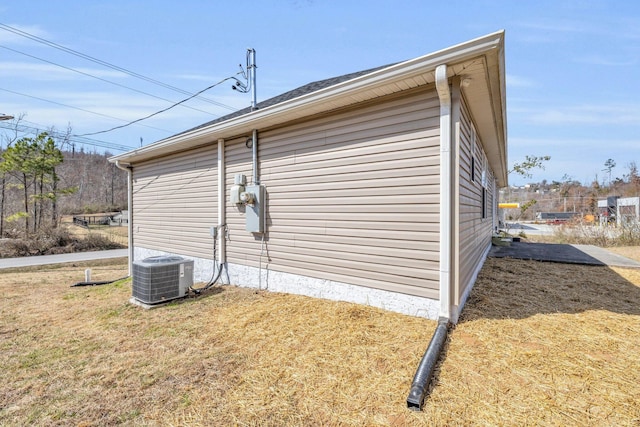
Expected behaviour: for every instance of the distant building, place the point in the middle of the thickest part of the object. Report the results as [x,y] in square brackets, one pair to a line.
[556,217]
[621,210]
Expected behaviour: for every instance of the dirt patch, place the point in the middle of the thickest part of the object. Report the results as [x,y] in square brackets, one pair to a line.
[544,344]
[538,344]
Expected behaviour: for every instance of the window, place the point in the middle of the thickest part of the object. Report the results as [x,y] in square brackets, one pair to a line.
[474,149]
[484,203]
[473,168]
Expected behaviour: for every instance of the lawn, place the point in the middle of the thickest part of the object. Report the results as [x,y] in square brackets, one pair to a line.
[115,234]
[538,344]
[632,252]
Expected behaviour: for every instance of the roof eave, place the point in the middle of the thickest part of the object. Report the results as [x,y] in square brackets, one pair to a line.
[333,97]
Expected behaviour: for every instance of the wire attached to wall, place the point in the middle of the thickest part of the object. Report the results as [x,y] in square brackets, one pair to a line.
[216,266]
[244,87]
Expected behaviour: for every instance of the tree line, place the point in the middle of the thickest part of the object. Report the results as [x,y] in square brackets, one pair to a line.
[43,177]
[568,194]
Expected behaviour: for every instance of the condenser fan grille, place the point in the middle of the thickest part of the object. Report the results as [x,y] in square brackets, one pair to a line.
[159,279]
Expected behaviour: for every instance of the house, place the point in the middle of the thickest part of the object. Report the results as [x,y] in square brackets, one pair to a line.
[620,210]
[119,219]
[377,187]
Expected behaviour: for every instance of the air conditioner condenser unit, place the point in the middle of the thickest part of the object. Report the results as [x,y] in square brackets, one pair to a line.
[161,278]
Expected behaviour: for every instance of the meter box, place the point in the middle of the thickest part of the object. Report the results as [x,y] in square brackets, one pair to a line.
[255,199]
[237,188]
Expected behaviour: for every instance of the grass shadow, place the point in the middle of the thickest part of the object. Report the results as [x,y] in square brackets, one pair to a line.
[205,293]
[550,252]
[515,289]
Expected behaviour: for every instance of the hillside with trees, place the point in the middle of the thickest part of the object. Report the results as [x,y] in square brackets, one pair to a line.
[43,177]
[570,195]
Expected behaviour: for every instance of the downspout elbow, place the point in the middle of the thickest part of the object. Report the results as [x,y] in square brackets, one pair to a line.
[123,166]
[442,87]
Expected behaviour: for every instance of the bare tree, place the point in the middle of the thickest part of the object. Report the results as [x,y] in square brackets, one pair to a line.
[633,177]
[530,163]
[608,167]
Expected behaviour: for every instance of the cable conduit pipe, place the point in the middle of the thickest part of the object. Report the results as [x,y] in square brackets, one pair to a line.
[254,147]
[98,283]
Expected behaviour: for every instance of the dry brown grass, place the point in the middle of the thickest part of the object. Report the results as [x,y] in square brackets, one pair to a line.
[632,252]
[544,344]
[538,344]
[117,235]
[85,356]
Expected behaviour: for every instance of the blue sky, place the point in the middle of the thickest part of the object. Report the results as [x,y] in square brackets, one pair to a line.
[573,90]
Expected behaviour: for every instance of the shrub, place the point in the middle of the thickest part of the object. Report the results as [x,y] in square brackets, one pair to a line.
[95,242]
[629,234]
[55,241]
[603,236]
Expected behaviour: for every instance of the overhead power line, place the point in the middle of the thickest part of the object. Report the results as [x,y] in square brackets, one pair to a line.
[99,78]
[161,111]
[36,128]
[106,64]
[77,108]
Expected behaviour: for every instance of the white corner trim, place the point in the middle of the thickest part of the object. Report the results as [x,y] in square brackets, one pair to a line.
[456,310]
[444,95]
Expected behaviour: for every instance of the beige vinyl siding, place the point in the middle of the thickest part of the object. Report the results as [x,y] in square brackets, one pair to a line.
[175,202]
[475,231]
[242,246]
[352,196]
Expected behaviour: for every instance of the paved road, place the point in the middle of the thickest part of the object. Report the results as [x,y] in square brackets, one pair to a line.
[533,229]
[607,257]
[57,259]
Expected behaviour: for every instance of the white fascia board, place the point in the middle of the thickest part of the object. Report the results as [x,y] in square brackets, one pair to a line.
[338,94]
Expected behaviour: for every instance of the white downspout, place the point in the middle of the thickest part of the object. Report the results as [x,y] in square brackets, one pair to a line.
[129,170]
[422,377]
[222,216]
[444,93]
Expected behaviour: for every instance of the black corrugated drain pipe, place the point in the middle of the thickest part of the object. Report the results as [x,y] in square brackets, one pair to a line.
[421,379]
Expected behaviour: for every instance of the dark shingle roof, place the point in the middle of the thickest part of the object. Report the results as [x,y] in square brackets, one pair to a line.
[302,90]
